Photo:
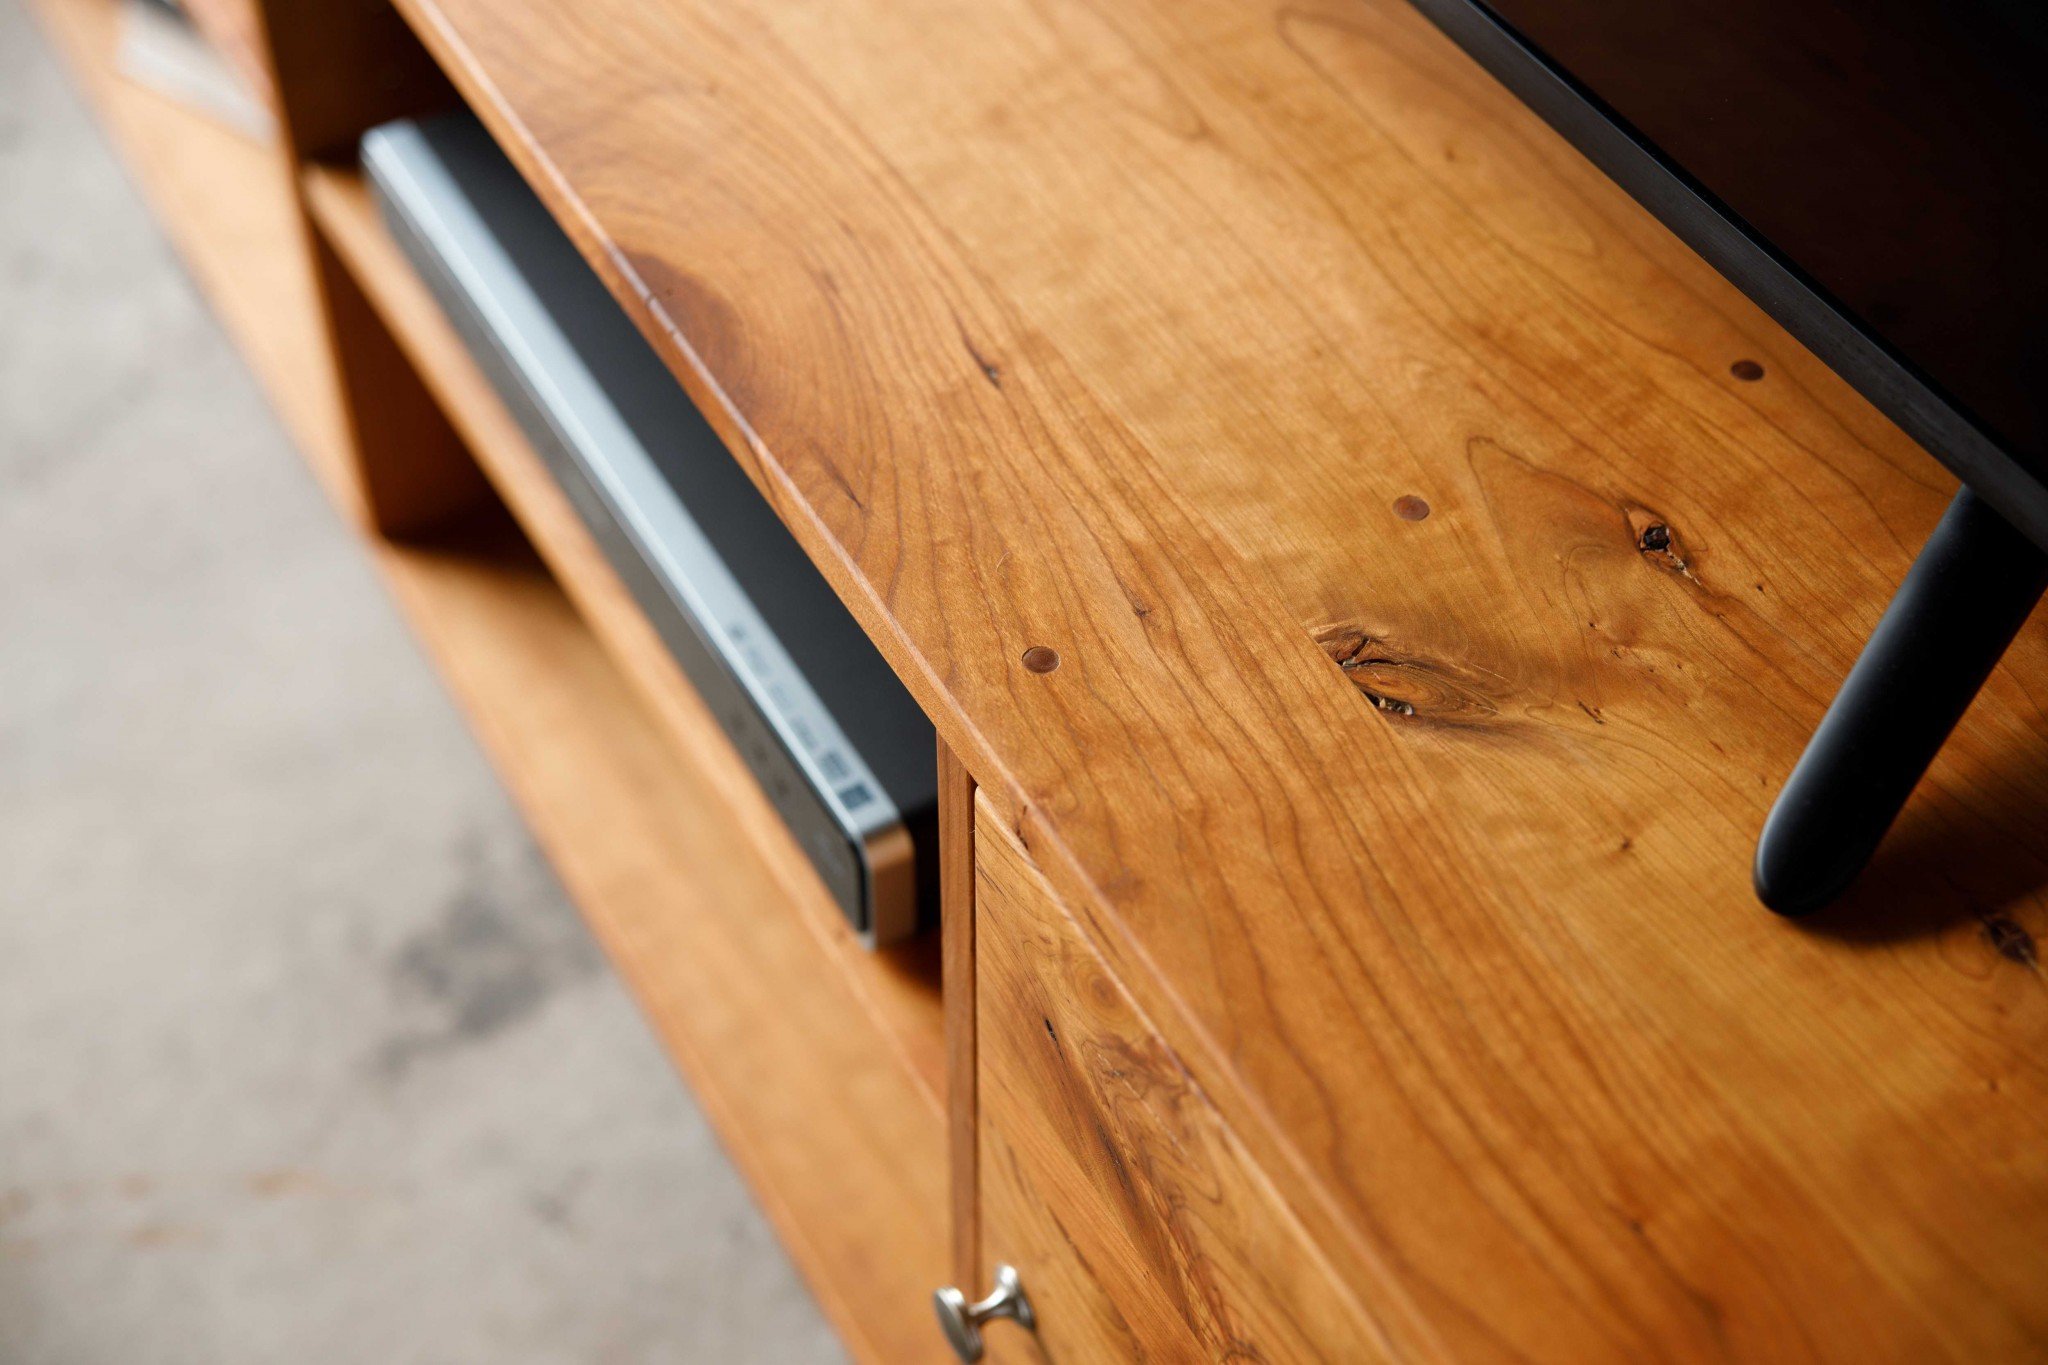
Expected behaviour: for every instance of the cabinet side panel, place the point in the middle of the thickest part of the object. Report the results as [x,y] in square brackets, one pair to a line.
[1136,1218]
[341,67]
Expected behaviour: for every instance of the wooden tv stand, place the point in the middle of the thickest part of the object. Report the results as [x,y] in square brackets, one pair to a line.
[1368,579]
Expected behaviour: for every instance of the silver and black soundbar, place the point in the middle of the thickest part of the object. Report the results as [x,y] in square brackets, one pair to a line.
[839,746]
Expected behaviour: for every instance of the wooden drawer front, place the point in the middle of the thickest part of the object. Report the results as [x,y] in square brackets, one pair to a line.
[1138,1224]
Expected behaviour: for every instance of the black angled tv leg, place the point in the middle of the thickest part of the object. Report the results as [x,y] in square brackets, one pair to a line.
[1965,598]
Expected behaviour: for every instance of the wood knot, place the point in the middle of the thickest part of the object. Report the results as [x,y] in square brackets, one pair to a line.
[1408,507]
[1748,371]
[1404,684]
[1041,659]
[1657,541]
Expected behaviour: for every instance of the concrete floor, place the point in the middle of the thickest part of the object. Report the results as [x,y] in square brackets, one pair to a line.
[303,1057]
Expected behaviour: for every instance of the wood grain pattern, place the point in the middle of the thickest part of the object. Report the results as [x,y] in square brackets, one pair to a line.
[832,1134]
[1140,1225]
[1120,330]
[956,928]
[900,987]
[1122,334]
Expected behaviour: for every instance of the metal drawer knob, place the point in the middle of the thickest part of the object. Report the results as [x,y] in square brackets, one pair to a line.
[962,1320]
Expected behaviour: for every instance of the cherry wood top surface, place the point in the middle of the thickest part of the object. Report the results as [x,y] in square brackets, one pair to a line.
[1145,332]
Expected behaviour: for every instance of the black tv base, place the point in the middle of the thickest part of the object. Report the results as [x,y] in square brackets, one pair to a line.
[1962,603]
